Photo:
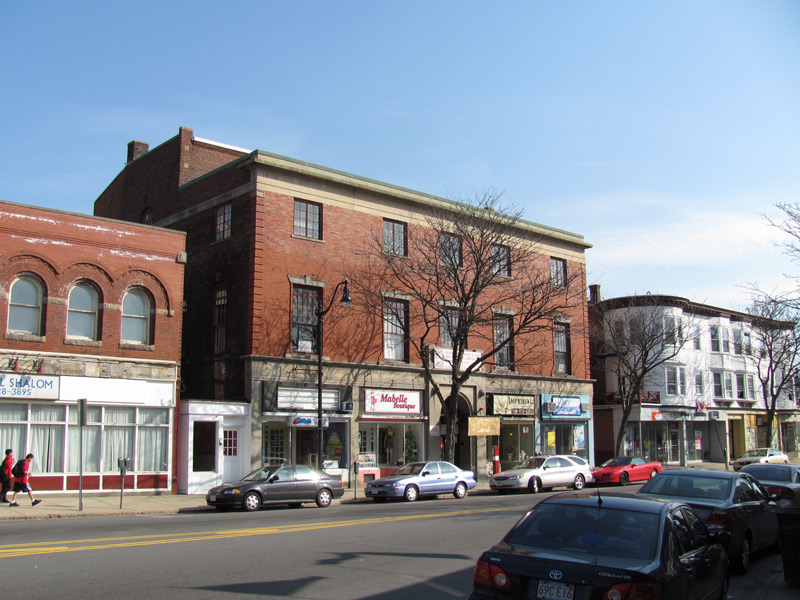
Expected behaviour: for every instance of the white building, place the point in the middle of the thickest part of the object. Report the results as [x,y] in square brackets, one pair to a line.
[705,403]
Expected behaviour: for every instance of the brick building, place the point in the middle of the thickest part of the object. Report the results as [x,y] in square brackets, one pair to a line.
[269,238]
[90,309]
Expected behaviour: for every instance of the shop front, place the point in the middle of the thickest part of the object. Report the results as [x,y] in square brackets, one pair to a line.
[391,431]
[125,418]
[517,428]
[565,425]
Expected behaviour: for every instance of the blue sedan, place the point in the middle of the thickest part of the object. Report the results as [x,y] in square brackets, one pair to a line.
[414,480]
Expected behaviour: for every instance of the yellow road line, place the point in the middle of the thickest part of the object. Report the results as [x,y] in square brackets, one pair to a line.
[54,547]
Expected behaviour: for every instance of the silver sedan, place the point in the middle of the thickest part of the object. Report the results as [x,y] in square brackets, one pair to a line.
[544,472]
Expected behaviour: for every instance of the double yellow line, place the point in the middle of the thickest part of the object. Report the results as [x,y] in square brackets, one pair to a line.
[39,548]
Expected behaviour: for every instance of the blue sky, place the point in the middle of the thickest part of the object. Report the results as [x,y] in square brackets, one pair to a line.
[661,131]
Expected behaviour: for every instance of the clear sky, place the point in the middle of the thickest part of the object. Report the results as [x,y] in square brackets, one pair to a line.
[662,132]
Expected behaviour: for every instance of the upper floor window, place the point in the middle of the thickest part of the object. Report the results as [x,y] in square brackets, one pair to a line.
[558,271]
[451,249]
[305,301]
[671,330]
[395,240]
[699,387]
[502,334]
[136,310]
[716,345]
[726,340]
[220,320]
[25,306]
[501,260]
[676,381]
[448,325]
[561,347]
[395,328]
[82,312]
[222,222]
[307,219]
[696,337]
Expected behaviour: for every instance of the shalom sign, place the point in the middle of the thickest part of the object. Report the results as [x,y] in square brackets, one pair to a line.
[43,387]
[392,402]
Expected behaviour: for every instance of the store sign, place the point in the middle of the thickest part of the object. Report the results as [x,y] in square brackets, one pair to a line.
[307,421]
[565,406]
[515,405]
[443,359]
[42,387]
[307,399]
[367,461]
[483,426]
[392,402]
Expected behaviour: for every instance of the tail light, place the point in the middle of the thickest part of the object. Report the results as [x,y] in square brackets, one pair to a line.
[633,591]
[491,575]
[782,492]
[717,517]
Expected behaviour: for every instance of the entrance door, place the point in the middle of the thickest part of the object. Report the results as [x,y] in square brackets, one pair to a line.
[230,455]
[674,445]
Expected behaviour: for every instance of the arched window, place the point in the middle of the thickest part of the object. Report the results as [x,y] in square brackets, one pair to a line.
[25,306]
[136,317]
[82,312]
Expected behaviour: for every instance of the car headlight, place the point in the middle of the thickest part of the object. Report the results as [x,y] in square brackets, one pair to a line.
[514,477]
[233,491]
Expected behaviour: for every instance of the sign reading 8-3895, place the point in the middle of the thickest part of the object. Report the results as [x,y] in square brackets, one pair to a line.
[29,386]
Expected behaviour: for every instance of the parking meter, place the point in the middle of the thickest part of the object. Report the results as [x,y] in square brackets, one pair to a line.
[124,464]
[355,473]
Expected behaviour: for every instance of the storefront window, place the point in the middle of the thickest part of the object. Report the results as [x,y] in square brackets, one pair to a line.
[516,442]
[566,438]
[390,444]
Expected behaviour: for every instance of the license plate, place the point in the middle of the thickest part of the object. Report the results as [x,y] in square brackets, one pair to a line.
[211,497]
[553,590]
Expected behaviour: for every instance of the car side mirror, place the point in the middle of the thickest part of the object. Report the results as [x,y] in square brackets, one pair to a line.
[425,473]
[273,478]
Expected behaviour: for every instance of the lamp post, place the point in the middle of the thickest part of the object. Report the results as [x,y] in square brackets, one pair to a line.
[345,301]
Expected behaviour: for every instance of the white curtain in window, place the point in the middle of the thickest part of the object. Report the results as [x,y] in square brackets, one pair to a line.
[45,413]
[47,446]
[151,452]
[117,443]
[13,412]
[118,415]
[91,449]
[12,437]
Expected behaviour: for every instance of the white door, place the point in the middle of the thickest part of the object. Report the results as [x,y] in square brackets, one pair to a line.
[231,438]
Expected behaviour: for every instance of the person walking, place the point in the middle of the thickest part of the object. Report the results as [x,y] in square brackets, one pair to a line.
[5,475]
[21,483]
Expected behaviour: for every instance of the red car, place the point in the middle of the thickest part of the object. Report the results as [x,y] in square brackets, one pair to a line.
[624,469]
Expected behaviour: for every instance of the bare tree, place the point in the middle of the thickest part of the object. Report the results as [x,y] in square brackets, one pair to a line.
[471,275]
[632,337]
[775,352]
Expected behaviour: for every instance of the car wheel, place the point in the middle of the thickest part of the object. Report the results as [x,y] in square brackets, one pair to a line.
[461,490]
[742,561]
[624,479]
[324,498]
[534,485]
[252,501]
[579,482]
[411,493]
[653,473]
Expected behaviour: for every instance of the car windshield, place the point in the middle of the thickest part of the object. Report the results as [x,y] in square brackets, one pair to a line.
[695,486]
[412,469]
[755,453]
[590,529]
[535,462]
[770,472]
[621,461]
[258,474]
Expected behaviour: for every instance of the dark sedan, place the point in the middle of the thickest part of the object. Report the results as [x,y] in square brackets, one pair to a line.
[733,502]
[780,480]
[596,546]
[287,484]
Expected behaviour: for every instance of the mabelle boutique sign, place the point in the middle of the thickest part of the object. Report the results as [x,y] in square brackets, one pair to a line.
[392,402]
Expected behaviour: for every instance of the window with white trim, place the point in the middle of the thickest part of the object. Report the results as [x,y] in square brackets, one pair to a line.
[136,313]
[395,328]
[25,306]
[699,388]
[82,312]
[676,381]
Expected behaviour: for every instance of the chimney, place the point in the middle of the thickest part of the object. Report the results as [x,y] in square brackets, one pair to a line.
[136,149]
[594,293]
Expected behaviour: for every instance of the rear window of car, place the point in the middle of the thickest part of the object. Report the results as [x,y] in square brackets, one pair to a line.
[770,472]
[688,487]
[591,530]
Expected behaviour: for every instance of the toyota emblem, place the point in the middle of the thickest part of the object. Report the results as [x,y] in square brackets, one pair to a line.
[556,574]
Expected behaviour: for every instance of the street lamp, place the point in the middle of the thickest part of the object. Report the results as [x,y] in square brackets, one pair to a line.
[345,301]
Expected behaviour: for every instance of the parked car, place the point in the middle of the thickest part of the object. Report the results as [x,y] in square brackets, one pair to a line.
[415,480]
[543,472]
[276,484]
[780,480]
[600,546]
[760,455]
[727,501]
[624,469]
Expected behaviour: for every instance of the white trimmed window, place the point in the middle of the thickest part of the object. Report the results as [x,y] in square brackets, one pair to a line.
[82,312]
[676,381]
[136,317]
[25,306]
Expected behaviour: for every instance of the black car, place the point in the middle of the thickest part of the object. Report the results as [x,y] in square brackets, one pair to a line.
[278,484]
[725,500]
[594,546]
